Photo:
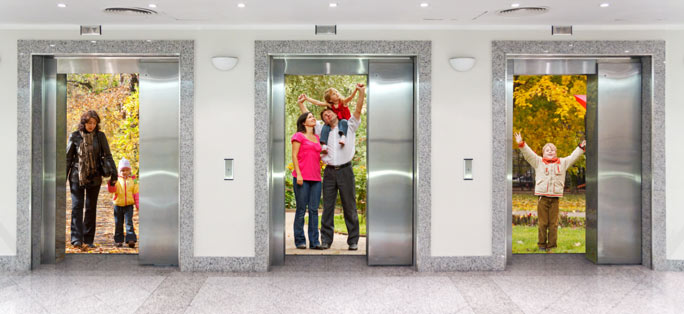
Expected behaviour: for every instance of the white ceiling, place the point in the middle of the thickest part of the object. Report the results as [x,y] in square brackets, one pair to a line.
[348,12]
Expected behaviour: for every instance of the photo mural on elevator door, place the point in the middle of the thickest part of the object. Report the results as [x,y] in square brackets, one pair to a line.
[549,109]
[115,99]
[314,87]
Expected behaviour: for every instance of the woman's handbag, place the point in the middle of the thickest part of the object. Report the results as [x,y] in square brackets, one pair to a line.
[106,167]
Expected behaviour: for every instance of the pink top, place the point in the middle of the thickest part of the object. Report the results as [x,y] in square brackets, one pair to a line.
[309,157]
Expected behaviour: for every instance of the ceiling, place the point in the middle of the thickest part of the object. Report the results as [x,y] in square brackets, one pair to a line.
[444,13]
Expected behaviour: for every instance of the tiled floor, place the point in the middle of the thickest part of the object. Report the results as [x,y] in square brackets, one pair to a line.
[342,284]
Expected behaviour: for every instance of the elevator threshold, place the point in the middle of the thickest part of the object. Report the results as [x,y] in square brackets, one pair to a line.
[331,263]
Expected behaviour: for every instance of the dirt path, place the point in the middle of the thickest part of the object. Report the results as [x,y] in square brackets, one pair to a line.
[104,232]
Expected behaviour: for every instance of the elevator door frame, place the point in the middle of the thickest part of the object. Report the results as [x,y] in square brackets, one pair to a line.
[565,65]
[333,65]
[116,64]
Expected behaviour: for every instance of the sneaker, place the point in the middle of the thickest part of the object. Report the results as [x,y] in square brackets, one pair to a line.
[353,247]
[324,149]
[131,244]
[324,246]
[90,245]
[119,244]
[77,244]
[343,139]
[301,246]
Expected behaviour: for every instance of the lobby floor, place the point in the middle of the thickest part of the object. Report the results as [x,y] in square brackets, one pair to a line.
[342,284]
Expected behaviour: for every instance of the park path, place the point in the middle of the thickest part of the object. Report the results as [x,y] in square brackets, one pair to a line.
[339,245]
[104,232]
[534,213]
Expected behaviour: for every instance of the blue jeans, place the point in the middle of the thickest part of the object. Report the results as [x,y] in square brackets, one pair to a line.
[342,126]
[307,194]
[122,213]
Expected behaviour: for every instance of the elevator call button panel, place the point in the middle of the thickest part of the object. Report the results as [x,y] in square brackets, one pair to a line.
[228,169]
[467,169]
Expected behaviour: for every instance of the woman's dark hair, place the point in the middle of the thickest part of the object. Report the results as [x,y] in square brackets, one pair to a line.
[84,119]
[301,120]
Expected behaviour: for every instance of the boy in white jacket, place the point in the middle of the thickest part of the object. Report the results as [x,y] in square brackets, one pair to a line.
[550,182]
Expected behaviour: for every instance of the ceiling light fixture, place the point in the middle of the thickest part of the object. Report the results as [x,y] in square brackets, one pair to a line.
[604,5]
[61,5]
[93,41]
[515,5]
[241,5]
[152,5]
[333,5]
[424,5]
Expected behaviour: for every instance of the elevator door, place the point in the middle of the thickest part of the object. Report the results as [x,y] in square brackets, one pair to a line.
[613,152]
[389,151]
[390,162]
[614,163]
[159,150]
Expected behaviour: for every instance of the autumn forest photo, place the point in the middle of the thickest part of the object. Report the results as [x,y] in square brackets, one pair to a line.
[549,109]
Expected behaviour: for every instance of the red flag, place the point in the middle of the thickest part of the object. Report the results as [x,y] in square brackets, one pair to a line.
[582,99]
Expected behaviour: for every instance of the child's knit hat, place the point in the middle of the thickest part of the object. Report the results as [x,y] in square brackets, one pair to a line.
[123,163]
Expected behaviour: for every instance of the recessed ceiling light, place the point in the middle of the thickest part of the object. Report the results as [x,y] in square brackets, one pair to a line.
[152,5]
[149,40]
[515,5]
[93,41]
[424,5]
[604,5]
[61,5]
[333,5]
[241,5]
[626,51]
[52,45]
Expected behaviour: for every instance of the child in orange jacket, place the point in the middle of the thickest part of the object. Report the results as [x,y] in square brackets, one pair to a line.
[125,192]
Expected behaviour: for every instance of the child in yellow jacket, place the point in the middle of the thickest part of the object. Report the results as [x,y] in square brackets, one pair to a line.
[125,192]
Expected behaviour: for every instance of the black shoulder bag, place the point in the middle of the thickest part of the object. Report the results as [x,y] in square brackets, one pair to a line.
[105,166]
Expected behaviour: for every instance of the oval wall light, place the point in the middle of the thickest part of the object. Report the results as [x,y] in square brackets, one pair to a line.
[224,63]
[462,64]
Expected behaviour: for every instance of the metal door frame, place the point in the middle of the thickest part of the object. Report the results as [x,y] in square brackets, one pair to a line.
[582,65]
[310,65]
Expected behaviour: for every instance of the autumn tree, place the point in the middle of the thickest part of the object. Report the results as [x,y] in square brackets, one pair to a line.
[115,98]
[546,111]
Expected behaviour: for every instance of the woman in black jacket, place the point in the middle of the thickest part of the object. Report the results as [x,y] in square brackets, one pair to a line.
[88,160]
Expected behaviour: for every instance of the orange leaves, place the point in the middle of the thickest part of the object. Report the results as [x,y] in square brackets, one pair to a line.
[115,98]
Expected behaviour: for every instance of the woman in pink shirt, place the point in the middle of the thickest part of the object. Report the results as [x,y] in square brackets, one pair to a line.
[306,156]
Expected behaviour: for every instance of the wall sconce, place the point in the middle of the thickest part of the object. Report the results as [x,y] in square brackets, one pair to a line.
[462,64]
[224,63]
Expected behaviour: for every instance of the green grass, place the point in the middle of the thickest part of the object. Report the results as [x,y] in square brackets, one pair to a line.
[567,240]
[568,203]
[340,226]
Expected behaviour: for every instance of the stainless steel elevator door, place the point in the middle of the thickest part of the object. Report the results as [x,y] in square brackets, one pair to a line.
[390,162]
[159,161]
[159,150]
[277,164]
[53,103]
[390,153]
[614,164]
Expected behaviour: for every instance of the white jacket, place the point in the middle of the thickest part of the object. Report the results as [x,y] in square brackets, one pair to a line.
[550,177]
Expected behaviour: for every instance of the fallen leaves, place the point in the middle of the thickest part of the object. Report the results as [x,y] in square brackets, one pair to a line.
[104,230]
